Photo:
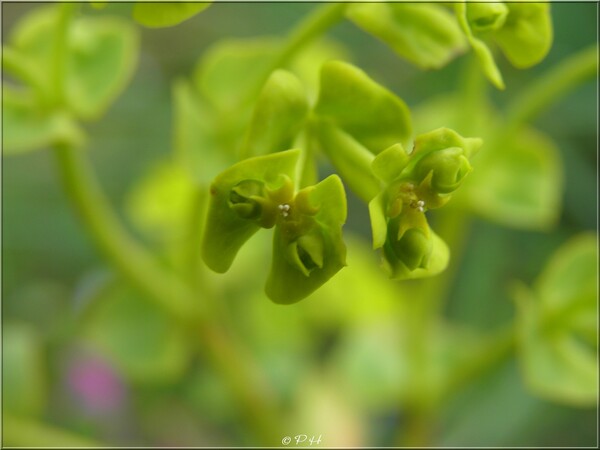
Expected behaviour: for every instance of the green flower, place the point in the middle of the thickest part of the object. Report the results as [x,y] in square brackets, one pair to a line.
[259,193]
[414,183]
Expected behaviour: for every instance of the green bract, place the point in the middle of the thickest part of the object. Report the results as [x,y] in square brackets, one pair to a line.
[259,193]
[523,31]
[425,34]
[278,115]
[371,114]
[423,179]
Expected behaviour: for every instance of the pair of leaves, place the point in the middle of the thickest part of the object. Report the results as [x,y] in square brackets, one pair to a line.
[558,325]
[71,68]
[258,193]
[522,30]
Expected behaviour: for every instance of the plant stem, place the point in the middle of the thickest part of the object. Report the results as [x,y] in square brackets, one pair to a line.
[113,240]
[167,291]
[319,21]
[60,51]
[554,84]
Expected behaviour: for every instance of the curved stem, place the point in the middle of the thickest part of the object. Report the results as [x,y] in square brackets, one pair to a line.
[168,292]
[112,239]
[549,88]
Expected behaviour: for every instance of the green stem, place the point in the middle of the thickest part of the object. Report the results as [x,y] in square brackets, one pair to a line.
[167,291]
[60,50]
[113,240]
[553,85]
[323,18]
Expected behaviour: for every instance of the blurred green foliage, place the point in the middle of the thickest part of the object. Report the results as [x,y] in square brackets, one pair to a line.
[343,361]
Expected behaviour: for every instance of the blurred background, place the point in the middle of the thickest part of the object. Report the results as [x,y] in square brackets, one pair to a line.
[82,352]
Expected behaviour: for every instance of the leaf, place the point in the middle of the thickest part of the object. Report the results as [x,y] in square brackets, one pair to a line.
[226,231]
[425,34]
[350,99]
[555,365]
[103,55]
[23,371]
[163,14]
[100,58]
[567,288]
[526,37]
[320,253]
[27,128]
[137,338]
[518,182]
[278,117]
[217,75]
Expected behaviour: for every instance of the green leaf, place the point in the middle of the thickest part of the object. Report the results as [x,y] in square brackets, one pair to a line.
[425,34]
[352,100]
[103,55]
[350,158]
[279,115]
[302,262]
[99,61]
[482,51]
[556,366]
[226,230]
[526,37]
[217,75]
[567,288]
[166,14]
[23,371]
[518,182]
[28,128]
[137,338]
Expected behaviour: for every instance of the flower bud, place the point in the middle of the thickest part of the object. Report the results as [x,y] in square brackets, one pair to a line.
[447,167]
[487,16]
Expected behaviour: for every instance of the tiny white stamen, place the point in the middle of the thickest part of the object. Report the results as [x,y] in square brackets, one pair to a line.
[284,208]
